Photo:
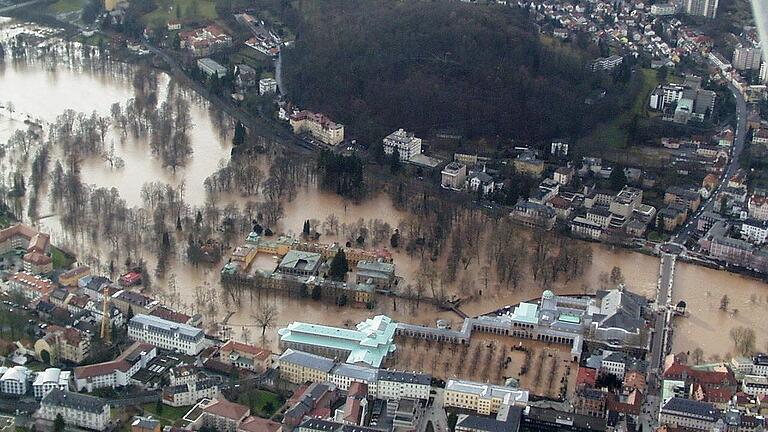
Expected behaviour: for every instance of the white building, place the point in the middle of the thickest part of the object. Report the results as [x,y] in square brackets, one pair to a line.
[343,375]
[663,9]
[166,334]
[747,57]
[753,231]
[760,365]
[397,385]
[14,380]
[405,143]
[51,378]
[211,67]
[453,176]
[190,394]
[705,8]
[267,86]
[115,373]
[77,410]
[755,385]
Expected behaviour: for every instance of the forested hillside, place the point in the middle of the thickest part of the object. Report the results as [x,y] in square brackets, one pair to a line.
[377,65]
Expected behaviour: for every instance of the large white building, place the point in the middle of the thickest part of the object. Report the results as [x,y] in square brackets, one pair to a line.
[51,378]
[747,57]
[76,409]
[14,380]
[405,143]
[166,334]
[398,385]
[115,373]
[705,8]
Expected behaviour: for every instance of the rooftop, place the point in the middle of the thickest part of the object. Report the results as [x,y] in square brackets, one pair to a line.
[74,401]
[370,343]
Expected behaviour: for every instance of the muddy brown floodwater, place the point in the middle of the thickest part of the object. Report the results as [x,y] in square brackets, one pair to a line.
[42,92]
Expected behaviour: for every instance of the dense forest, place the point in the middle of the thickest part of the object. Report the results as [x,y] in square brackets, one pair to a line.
[379,65]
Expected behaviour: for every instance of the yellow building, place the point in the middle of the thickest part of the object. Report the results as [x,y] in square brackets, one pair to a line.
[110,5]
[71,277]
[319,126]
[484,399]
[299,367]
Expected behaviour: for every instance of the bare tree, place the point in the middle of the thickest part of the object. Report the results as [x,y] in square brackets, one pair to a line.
[265,316]
[743,340]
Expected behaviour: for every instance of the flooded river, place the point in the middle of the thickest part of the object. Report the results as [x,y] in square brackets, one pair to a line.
[42,92]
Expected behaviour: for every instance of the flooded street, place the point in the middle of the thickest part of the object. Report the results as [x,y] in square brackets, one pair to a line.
[40,91]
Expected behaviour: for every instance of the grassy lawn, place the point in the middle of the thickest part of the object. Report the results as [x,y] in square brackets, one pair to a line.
[612,134]
[189,10]
[262,403]
[60,259]
[252,58]
[169,416]
[66,6]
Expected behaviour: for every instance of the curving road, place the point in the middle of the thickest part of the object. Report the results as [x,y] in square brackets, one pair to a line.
[740,135]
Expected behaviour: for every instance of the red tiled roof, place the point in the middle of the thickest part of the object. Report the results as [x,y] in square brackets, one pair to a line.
[100,369]
[170,315]
[257,352]
[227,409]
[256,424]
[586,376]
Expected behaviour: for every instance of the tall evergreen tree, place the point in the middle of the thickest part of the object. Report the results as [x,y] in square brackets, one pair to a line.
[339,265]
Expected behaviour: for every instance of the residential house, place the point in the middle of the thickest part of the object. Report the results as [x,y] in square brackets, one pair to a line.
[245,356]
[188,394]
[528,163]
[31,286]
[534,215]
[453,176]
[590,402]
[70,277]
[687,197]
[62,344]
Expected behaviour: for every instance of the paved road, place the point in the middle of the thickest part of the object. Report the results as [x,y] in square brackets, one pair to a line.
[436,413]
[733,166]
[18,6]
[252,122]
[660,334]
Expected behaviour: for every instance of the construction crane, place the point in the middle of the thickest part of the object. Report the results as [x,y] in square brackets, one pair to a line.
[105,322]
